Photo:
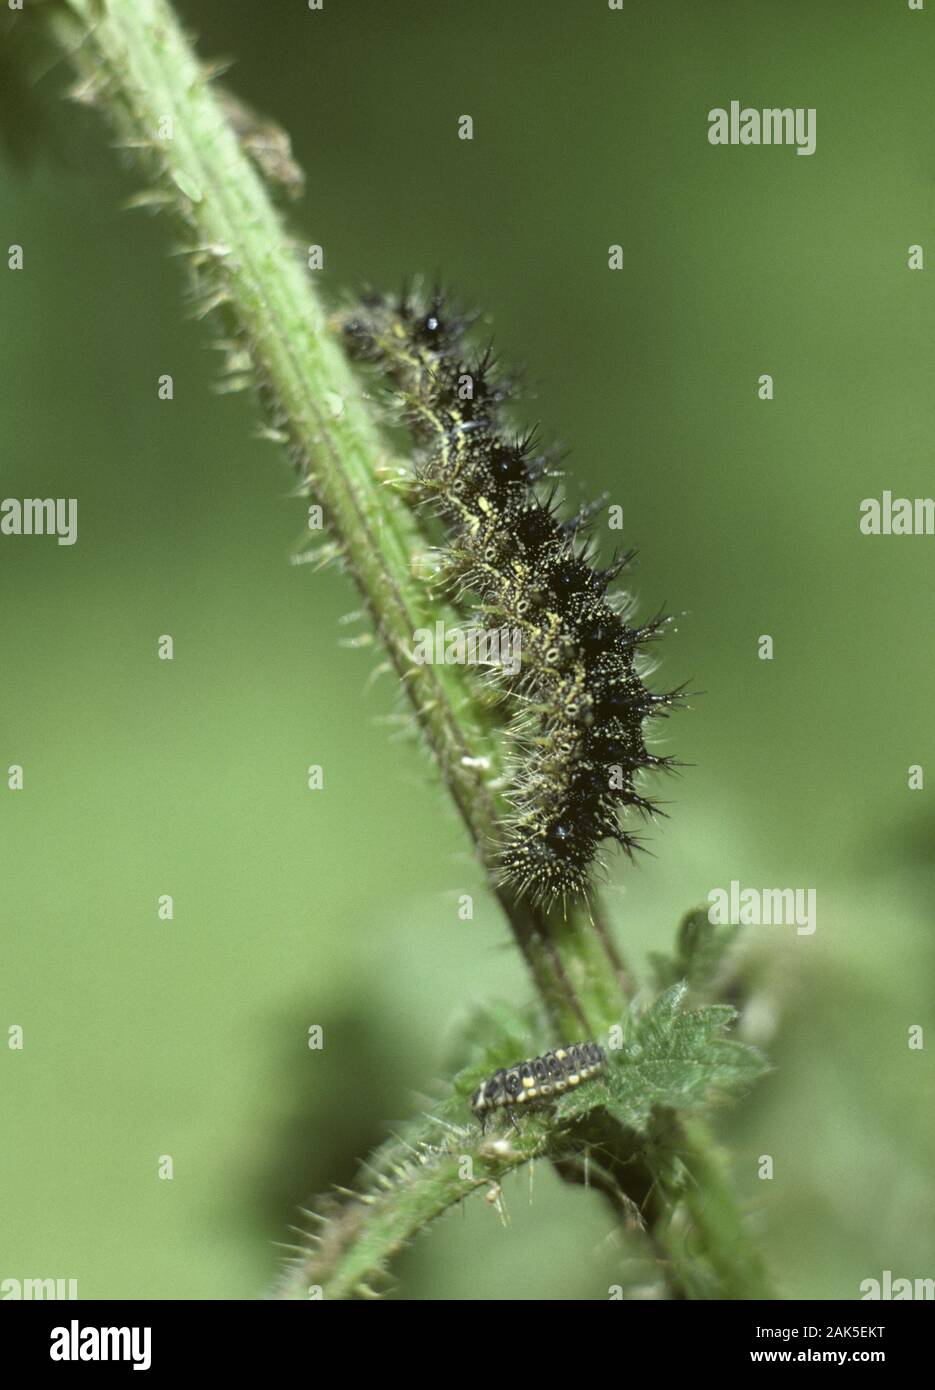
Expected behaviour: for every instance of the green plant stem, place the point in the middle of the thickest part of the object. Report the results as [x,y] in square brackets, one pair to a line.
[676,1180]
[356,1234]
[134,62]
[700,1226]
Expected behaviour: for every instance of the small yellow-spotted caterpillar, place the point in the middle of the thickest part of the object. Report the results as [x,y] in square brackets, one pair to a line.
[538,1078]
[579,702]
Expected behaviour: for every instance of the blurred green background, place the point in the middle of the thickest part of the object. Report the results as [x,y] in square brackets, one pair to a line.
[188,1038]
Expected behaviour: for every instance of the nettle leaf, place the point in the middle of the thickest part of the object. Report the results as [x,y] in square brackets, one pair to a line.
[492,1030]
[667,1057]
[496,1035]
[700,948]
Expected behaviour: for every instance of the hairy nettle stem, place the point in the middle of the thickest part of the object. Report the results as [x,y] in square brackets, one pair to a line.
[136,65]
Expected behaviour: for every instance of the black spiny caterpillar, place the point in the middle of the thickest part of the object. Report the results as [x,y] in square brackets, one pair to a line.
[538,1078]
[580,700]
